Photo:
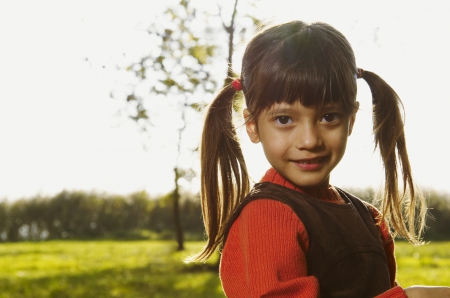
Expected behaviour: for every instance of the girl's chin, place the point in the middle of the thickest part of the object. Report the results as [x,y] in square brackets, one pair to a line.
[309,183]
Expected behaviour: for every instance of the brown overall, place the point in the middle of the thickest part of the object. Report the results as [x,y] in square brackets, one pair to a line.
[345,252]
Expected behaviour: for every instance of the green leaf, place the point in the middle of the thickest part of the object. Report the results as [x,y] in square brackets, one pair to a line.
[198,106]
[131,97]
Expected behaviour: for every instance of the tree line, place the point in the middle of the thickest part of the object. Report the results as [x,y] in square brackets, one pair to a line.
[90,215]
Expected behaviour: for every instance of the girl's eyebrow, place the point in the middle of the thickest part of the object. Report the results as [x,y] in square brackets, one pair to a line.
[327,106]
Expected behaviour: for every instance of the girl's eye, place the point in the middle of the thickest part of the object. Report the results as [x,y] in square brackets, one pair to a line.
[283,120]
[330,117]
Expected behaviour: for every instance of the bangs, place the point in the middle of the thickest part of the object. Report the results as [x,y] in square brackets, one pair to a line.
[313,64]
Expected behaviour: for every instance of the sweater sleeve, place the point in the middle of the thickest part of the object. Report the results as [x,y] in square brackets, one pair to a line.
[262,256]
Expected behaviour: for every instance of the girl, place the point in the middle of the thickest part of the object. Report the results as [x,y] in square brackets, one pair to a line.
[294,235]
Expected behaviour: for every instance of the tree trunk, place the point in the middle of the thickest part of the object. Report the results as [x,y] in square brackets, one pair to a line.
[230,30]
[176,212]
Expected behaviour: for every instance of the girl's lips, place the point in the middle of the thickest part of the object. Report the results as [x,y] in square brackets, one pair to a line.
[309,164]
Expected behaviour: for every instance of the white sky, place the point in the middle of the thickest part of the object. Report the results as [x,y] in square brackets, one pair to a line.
[58,128]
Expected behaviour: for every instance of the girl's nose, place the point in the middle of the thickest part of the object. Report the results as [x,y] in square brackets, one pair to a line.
[308,138]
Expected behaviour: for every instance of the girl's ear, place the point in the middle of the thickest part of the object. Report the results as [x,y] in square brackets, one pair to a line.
[250,125]
[352,119]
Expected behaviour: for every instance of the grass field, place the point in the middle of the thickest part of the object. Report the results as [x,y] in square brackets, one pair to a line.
[154,269]
[428,264]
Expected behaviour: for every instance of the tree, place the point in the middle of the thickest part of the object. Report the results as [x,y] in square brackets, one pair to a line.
[180,71]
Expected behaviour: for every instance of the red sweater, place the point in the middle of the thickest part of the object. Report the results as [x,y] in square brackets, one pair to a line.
[251,266]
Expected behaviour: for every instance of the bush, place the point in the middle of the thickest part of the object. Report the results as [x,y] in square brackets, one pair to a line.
[438,218]
[82,215]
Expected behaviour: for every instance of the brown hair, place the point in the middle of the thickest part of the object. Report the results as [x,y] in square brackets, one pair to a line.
[313,64]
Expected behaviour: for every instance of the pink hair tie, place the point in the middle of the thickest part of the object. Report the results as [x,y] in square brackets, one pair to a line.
[237,84]
[360,73]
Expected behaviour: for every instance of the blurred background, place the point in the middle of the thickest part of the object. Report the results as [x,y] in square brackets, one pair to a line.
[62,61]
[101,107]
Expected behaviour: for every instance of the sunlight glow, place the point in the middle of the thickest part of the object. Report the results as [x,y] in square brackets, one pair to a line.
[60,130]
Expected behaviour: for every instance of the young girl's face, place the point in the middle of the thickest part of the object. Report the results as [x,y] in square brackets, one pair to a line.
[302,143]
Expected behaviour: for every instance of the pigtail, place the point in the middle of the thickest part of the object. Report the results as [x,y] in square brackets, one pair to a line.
[404,211]
[224,178]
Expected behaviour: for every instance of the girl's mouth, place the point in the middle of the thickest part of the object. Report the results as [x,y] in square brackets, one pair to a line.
[309,164]
[310,161]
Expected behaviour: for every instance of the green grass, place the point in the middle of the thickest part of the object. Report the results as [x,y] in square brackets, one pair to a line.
[104,269]
[154,269]
[427,264]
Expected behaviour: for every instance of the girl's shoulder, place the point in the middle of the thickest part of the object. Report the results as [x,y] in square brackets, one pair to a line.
[382,224]
[263,217]
[268,209]
[369,206]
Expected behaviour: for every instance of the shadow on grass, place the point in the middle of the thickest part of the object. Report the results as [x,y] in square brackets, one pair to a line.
[147,281]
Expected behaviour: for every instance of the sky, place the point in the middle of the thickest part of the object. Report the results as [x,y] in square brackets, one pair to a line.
[59,127]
